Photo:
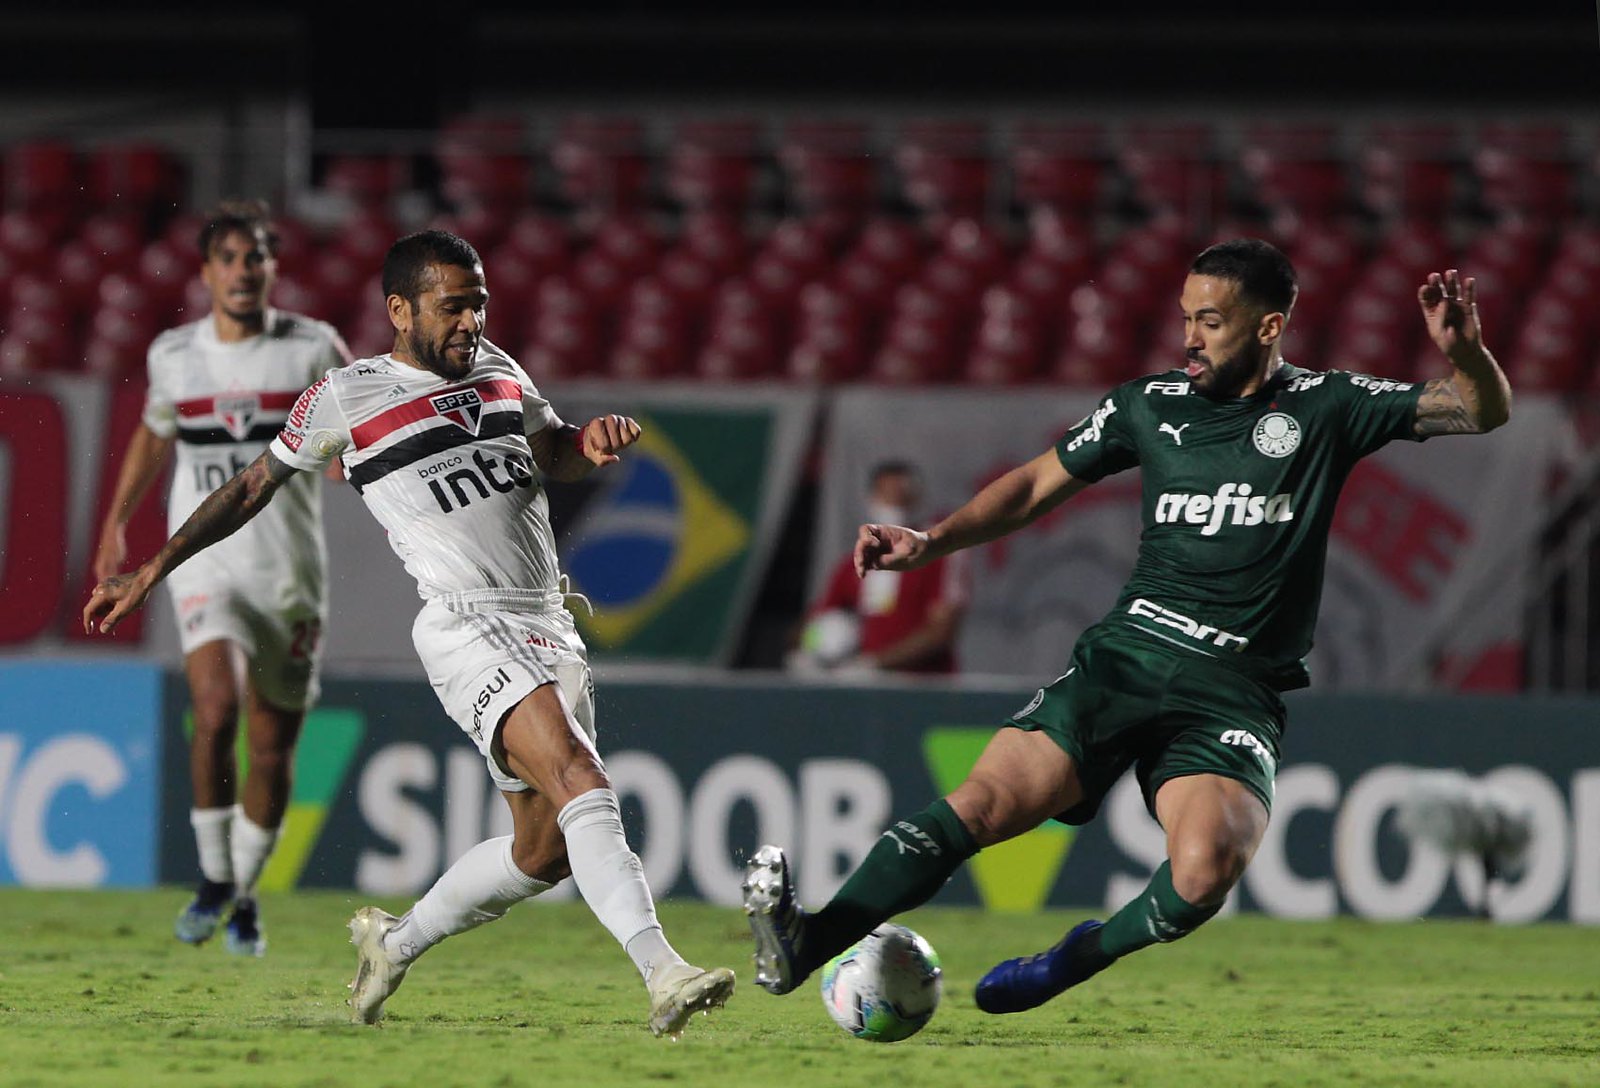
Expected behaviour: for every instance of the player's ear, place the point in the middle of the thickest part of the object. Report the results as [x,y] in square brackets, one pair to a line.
[1271,327]
[399,312]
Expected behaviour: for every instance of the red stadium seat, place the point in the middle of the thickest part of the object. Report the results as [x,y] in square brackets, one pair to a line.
[33,343]
[28,240]
[42,175]
[977,245]
[1096,355]
[1171,169]
[140,178]
[737,350]
[1009,344]
[1059,167]
[601,163]
[717,239]
[1408,169]
[540,240]
[711,165]
[368,181]
[830,166]
[690,278]
[944,168]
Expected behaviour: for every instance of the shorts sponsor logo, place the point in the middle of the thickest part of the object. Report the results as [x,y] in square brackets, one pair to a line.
[1096,423]
[497,683]
[543,643]
[464,408]
[237,413]
[1201,632]
[1376,386]
[1276,434]
[1233,504]
[1243,738]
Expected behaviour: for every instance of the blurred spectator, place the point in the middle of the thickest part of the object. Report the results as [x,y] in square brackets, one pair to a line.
[890,620]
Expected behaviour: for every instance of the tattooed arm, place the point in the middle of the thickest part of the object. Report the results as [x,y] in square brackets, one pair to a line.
[1476,398]
[221,514]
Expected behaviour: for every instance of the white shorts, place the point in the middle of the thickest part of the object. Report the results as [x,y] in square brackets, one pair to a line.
[482,663]
[282,645]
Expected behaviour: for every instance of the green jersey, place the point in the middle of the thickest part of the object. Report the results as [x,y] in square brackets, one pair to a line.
[1238,502]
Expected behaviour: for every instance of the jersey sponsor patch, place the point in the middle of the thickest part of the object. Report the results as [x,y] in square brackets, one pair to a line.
[294,428]
[1276,434]
[1375,386]
[1096,424]
[1232,504]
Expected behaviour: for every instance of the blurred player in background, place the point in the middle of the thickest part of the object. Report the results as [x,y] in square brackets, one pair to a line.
[220,389]
[904,621]
[1242,457]
[441,437]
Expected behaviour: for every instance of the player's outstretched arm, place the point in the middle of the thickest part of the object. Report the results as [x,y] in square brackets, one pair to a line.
[570,453]
[222,513]
[141,467]
[1476,398]
[1014,500]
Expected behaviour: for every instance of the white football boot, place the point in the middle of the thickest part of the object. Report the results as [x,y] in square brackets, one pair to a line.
[677,993]
[376,977]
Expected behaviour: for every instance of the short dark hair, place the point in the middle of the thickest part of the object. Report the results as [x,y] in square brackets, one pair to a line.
[242,216]
[406,266]
[1260,269]
[893,468]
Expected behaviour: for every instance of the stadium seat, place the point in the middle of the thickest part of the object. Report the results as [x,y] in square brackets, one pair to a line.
[41,175]
[1525,170]
[1170,169]
[1549,359]
[1408,170]
[943,166]
[369,182]
[139,178]
[28,240]
[1009,344]
[830,166]
[690,278]
[33,343]
[1096,354]
[711,164]
[601,279]
[602,164]
[1058,167]
[538,239]
[977,245]
[717,239]
[737,350]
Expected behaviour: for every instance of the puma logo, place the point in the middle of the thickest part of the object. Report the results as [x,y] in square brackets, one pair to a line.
[1175,432]
[905,847]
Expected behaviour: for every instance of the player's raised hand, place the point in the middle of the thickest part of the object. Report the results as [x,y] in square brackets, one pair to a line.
[888,547]
[1450,309]
[603,436]
[113,599]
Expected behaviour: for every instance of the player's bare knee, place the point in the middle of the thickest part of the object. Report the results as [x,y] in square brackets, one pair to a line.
[983,807]
[216,720]
[1204,873]
[542,860]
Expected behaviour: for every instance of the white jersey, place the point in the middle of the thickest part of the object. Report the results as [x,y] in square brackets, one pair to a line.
[224,401]
[446,469]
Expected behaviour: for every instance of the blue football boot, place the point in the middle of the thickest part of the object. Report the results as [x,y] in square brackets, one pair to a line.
[1026,983]
[199,919]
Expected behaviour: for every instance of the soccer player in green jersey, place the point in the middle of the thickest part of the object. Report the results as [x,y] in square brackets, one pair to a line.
[1242,457]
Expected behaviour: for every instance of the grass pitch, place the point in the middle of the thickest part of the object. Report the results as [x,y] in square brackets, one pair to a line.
[95,992]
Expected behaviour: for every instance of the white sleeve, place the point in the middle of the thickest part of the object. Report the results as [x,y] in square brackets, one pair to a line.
[160,400]
[537,415]
[316,431]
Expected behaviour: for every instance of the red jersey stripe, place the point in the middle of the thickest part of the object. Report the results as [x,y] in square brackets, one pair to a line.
[414,411]
[205,406]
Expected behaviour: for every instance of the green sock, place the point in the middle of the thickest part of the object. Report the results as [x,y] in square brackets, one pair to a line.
[1157,914]
[905,867]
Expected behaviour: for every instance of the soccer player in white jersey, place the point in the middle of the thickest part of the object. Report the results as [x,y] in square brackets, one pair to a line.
[441,437]
[220,389]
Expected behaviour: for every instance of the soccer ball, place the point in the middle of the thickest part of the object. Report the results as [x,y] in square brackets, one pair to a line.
[831,637]
[885,987]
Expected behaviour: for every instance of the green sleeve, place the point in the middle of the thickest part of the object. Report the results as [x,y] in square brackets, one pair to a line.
[1376,411]
[1101,443]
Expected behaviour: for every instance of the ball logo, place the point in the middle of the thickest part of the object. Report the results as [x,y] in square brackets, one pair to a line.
[1276,435]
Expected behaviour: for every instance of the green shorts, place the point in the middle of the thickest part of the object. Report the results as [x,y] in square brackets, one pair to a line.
[1128,701]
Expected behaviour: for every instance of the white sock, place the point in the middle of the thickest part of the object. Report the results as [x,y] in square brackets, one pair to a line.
[481,886]
[611,880]
[211,842]
[252,846]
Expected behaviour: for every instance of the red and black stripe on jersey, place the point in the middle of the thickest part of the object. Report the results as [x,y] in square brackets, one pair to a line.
[444,434]
[198,418]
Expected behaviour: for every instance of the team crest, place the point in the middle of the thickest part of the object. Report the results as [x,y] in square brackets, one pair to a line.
[464,408]
[237,413]
[1276,435]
